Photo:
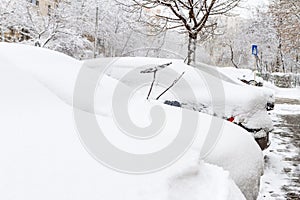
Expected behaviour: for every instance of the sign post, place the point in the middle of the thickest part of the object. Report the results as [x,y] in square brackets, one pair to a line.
[255,53]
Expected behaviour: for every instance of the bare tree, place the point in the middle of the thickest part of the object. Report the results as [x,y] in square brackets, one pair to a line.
[194,17]
[231,54]
[285,15]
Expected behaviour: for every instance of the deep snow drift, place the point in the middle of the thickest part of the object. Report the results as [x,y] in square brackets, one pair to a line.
[42,156]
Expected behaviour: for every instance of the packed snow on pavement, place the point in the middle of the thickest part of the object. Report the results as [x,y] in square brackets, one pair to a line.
[281,177]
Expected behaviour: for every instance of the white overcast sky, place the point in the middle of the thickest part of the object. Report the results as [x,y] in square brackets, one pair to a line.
[256,2]
[250,5]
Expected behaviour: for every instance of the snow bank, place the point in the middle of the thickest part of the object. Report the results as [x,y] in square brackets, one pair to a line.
[289,93]
[287,109]
[42,156]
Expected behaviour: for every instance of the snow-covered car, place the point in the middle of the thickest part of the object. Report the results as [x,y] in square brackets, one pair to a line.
[244,77]
[249,77]
[42,155]
[214,92]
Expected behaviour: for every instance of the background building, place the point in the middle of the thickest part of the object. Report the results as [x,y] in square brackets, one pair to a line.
[44,6]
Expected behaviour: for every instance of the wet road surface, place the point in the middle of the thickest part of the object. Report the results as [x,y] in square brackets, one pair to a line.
[282,159]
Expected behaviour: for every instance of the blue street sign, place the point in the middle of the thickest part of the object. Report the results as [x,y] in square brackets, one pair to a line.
[254,50]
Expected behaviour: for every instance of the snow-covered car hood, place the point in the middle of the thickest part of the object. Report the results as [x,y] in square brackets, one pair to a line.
[215,94]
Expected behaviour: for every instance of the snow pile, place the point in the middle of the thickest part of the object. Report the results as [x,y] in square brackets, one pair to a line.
[42,156]
[287,109]
[292,93]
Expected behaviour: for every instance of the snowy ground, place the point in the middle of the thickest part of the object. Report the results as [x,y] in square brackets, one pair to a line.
[282,164]
[282,93]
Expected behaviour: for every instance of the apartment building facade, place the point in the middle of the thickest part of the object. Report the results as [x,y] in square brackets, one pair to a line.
[44,5]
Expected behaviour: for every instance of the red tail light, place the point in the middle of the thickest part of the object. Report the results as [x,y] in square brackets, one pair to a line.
[231,119]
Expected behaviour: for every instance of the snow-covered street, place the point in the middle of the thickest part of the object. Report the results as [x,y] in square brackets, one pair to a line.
[282,162]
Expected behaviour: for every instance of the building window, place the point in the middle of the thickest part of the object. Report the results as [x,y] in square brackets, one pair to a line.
[35,2]
[49,9]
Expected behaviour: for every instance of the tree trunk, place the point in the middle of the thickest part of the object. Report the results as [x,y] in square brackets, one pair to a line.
[281,54]
[191,59]
[232,56]
[96,33]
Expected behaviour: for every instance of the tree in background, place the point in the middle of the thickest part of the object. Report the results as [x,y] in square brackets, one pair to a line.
[10,17]
[276,44]
[73,27]
[261,31]
[26,23]
[286,21]
[154,28]
[193,17]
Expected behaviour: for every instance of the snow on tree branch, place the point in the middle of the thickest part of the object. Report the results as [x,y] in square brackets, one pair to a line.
[194,16]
